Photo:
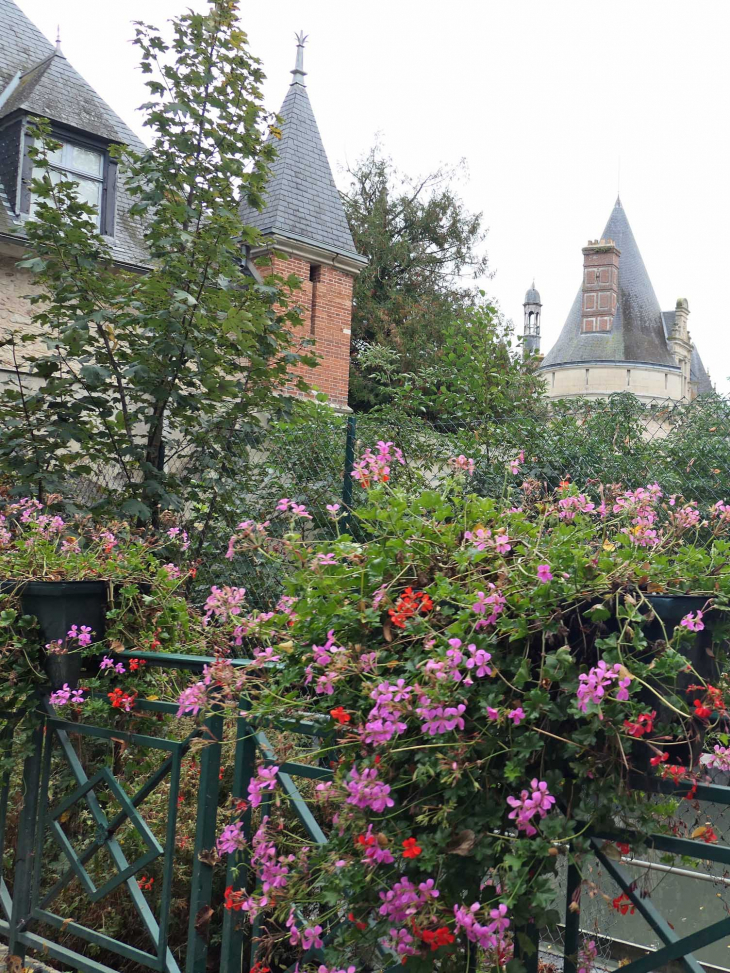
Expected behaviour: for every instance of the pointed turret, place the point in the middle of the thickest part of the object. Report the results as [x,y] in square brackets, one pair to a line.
[303,217]
[302,203]
[616,338]
[631,330]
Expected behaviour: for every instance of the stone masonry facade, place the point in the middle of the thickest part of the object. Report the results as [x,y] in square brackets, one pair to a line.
[15,311]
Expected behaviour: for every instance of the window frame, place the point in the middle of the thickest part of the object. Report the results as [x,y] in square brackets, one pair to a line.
[108,178]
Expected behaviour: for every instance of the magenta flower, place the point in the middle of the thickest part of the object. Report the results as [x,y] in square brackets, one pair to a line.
[479,661]
[375,468]
[332,509]
[440,719]
[460,464]
[82,635]
[178,534]
[693,622]
[528,804]
[231,839]
[544,574]
[326,559]
[720,759]
[312,938]
[489,935]
[516,715]
[492,713]
[593,685]
[265,780]
[192,699]
[66,696]
[223,602]
[367,791]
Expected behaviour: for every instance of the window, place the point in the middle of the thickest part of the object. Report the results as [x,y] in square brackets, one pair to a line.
[84,166]
[85,163]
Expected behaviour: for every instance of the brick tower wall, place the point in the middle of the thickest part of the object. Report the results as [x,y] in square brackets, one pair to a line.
[600,286]
[326,300]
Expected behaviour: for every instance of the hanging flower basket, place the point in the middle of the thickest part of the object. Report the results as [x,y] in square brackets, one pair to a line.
[62,607]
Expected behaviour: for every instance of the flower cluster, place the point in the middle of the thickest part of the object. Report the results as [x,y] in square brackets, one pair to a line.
[538,800]
[223,603]
[409,604]
[375,467]
[597,680]
[67,697]
[450,666]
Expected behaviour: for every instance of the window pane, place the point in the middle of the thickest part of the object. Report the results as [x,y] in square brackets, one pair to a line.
[56,157]
[89,190]
[85,160]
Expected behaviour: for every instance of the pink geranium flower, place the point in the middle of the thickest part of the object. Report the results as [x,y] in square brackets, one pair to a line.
[693,622]
[544,574]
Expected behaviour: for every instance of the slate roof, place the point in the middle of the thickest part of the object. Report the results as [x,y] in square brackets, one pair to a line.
[532,296]
[697,371]
[302,201]
[638,330]
[50,87]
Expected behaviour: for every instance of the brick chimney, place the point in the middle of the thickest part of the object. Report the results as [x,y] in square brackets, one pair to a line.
[600,286]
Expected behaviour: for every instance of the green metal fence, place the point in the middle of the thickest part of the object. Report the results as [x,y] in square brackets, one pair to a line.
[50,864]
[45,855]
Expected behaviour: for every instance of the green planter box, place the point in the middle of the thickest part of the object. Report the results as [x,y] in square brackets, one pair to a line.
[57,605]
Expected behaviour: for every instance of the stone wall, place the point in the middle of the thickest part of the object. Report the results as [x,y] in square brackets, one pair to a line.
[15,308]
[603,379]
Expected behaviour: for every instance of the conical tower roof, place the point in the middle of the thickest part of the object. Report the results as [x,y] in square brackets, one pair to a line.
[302,202]
[638,332]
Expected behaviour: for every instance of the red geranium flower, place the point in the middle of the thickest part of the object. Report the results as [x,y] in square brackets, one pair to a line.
[340,714]
[411,849]
[437,937]
[622,903]
[408,604]
[701,711]
[359,925]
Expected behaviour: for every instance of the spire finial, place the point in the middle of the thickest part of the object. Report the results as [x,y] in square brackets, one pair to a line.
[299,71]
[58,40]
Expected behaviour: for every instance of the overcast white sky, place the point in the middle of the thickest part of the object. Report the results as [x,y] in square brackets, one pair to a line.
[542,98]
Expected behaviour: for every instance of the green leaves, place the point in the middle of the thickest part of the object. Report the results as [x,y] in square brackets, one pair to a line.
[186,351]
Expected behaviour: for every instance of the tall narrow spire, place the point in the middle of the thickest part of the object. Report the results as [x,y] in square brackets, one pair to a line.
[299,72]
[58,40]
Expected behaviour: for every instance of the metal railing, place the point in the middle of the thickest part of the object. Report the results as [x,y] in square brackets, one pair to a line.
[46,860]
[43,845]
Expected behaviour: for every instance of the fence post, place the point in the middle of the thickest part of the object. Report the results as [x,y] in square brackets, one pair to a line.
[202,880]
[527,946]
[349,465]
[233,953]
[26,848]
[572,920]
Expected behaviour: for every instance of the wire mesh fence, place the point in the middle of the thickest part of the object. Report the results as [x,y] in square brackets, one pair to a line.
[684,447]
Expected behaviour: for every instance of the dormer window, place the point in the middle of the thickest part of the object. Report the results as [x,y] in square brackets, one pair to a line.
[85,162]
[82,165]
